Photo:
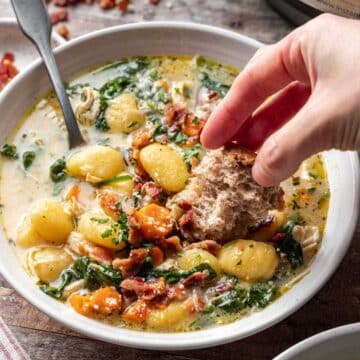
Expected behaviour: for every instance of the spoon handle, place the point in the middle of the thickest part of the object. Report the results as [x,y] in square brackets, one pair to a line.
[35,24]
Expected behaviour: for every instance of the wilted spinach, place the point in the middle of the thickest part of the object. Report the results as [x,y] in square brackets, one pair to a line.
[211,84]
[95,275]
[10,151]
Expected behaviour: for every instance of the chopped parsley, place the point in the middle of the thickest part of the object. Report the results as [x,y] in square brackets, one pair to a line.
[57,170]
[28,158]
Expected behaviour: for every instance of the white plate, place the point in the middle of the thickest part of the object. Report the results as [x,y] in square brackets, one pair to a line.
[176,38]
[12,40]
[341,343]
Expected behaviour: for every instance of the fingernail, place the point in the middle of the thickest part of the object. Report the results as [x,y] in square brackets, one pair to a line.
[260,175]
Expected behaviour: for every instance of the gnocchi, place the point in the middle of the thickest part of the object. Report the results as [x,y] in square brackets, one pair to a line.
[165,166]
[266,232]
[122,114]
[48,263]
[95,163]
[101,230]
[175,314]
[249,260]
[26,236]
[194,257]
[50,221]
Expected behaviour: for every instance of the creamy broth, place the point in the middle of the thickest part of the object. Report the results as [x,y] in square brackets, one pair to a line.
[153,86]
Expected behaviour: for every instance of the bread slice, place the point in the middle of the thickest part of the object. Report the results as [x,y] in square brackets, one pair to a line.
[225,200]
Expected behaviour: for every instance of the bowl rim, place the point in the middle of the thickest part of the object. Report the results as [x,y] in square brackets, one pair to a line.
[175,341]
[317,339]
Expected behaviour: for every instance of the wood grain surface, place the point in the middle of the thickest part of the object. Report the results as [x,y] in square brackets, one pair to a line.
[336,304]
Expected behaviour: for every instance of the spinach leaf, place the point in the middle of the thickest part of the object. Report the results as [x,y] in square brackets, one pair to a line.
[260,295]
[28,158]
[116,179]
[231,301]
[57,170]
[95,275]
[174,276]
[211,84]
[191,152]
[289,246]
[9,150]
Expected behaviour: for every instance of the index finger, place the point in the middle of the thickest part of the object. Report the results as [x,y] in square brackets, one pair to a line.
[276,67]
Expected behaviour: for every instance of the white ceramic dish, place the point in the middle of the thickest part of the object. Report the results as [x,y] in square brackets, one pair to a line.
[176,38]
[13,40]
[339,343]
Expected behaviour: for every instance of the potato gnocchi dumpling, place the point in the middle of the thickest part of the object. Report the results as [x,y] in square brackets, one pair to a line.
[100,229]
[165,166]
[175,314]
[265,233]
[122,114]
[194,257]
[249,260]
[95,163]
[26,235]
[50,220]
[49,262]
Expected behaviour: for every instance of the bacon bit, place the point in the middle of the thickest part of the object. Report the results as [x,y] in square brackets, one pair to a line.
[135,237]
[197,279]
[7,69]
[141,137]
[209,245]
[176,292]
[265,222]
[123,5]
[141,173]
[213,95]
[132,264]
[157,255]
[278,237]
[154,2]
[101,254]
[59,16]
[107,4]
[145,290]
[173,243]
[198,300]
[184,205]
[108,200]
[192,125]
[186,219]
[152,190]
[63,31]
[175,113]
[103,301]
[136,312]
[155,221]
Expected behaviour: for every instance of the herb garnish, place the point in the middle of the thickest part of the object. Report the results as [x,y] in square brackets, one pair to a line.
[28,158]
[9,150]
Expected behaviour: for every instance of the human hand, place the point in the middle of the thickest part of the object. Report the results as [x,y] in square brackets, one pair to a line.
[314,73]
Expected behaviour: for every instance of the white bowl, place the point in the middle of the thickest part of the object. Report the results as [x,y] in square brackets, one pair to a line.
[176,38]
[13,40]
[339,343]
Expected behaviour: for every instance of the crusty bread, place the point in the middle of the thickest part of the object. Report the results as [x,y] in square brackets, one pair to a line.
[225,199]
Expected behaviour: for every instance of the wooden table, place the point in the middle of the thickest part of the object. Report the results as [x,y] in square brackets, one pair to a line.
[336,304]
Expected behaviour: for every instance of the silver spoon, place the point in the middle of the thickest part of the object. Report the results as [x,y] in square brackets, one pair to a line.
[35,24]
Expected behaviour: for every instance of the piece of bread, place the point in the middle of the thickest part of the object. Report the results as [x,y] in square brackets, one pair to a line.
[224,198]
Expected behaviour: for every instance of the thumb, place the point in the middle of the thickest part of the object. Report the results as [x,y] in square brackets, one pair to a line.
[281,154]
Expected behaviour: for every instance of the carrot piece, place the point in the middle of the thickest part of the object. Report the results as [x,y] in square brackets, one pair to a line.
[73,192]
[81,304]
[154,221]
[136,312]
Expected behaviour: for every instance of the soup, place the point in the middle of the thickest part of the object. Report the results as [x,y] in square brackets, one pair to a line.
[95,228]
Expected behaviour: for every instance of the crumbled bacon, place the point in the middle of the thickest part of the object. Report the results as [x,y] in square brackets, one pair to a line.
[213,95]
[176,292]
[154,2]
[135,237]
[278,237]
[184,205]
[152,190]
[222,287]
[186,219]
[265,222]
[132,264]
[107,4]
[109,200]
[59,16]
[175,113]
[172,243]
[7,69]
[208,245]
[145,290]
[123,5]
[197,279]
